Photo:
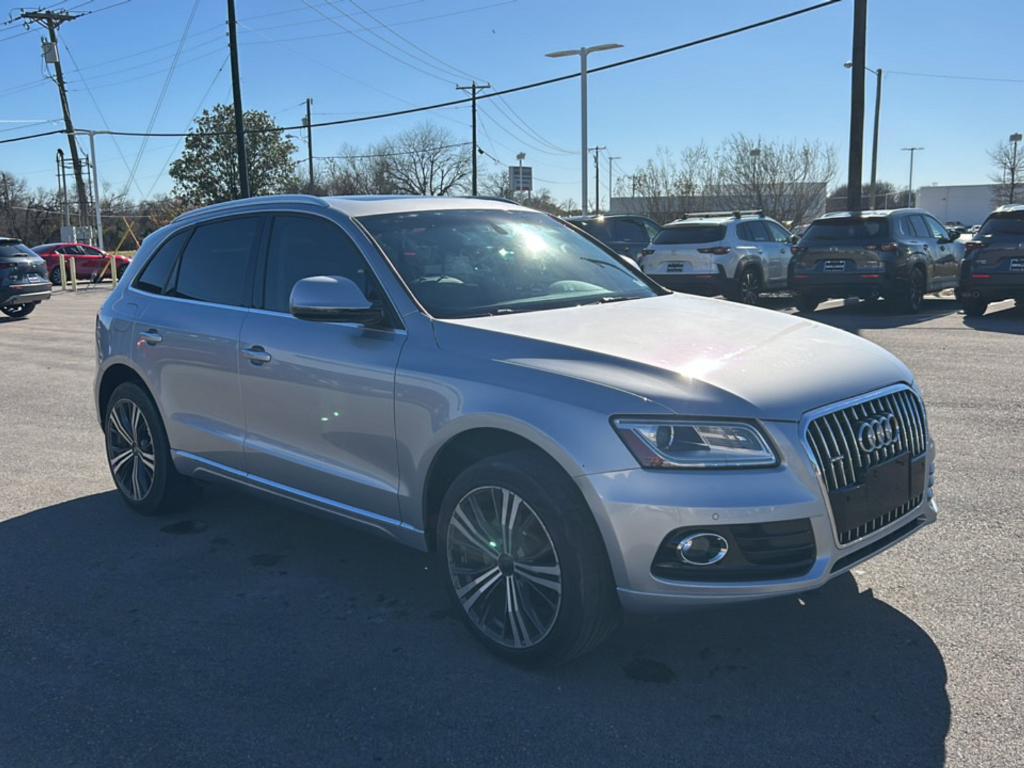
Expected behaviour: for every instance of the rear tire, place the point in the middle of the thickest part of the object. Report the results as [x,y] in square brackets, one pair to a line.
[747,287]
[523,561]
[974,307]
[139,456]
[55,276]
[806,304]
[910,293]
[19,310]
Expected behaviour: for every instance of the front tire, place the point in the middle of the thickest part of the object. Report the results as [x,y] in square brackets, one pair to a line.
[138,454]
[523,561]
[19,310]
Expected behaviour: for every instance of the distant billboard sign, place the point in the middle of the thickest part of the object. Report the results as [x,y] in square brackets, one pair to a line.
[520,178]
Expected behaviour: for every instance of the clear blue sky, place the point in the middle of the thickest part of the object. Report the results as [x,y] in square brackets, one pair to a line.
[781,82]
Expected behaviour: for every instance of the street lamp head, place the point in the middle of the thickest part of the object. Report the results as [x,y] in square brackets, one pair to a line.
[603,47]
[583,51]
[848,64]
[562,54]
[1015,137]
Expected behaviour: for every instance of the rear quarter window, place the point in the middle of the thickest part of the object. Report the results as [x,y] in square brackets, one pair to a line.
[684,234]
[847,230]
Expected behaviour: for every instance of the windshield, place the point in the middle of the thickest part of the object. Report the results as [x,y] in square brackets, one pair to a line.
[1001,227]
[847,229]
[466,263]
[691,233]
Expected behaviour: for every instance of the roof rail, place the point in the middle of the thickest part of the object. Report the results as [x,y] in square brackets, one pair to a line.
[719,214]
[252,201]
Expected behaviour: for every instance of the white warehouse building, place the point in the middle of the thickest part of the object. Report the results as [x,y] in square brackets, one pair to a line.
[966,203]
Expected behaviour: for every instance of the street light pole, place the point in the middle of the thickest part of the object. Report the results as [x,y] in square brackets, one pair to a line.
[1014,139]
[874,138]
[611,159]
[583,53]
[911,197]
[854,199]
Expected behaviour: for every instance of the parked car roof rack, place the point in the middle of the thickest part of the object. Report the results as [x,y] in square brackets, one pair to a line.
[719,214]
[258,201]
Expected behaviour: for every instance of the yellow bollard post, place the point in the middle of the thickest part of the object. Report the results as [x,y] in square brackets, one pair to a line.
[74,274]
[113,270]
[63,273]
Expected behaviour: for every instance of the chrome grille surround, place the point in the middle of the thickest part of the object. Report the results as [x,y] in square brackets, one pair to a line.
[829,435]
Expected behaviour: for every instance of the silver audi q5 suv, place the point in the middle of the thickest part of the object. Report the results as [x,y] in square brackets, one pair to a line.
[482,381]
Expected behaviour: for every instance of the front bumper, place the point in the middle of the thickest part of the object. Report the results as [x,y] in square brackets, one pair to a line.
[24,293]
[636,509]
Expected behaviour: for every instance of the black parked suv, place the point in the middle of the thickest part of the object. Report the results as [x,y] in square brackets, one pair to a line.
[993,268]
[897,255]
[624,234]
[23,282]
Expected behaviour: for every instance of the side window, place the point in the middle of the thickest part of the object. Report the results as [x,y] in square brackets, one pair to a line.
[937,230]
[917,226]
[753,231]
[778,233]
[306,246]
[216,260]
[153,278]
[628,231]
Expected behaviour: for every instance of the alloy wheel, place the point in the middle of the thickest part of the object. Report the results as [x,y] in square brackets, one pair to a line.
[504,567]
[130,449]
[750,287]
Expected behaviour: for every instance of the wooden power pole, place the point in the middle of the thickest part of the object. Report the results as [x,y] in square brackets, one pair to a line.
[52,20]
[473,89]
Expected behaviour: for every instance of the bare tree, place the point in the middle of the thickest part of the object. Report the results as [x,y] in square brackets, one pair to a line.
[1007,173]
[425,160]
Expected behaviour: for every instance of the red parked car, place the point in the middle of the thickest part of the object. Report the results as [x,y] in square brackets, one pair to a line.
[89,261]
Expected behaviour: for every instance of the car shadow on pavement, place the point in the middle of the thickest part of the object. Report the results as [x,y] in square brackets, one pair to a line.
[1007,318]
[855,315]
[242,632]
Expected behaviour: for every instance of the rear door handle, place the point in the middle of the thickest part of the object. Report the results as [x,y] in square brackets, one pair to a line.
[151,337]
[256,355]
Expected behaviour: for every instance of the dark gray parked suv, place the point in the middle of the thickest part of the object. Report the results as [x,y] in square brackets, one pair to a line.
[898,255]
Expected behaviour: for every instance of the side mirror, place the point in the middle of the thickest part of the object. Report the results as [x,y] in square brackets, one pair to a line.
[794,239]
[330,298]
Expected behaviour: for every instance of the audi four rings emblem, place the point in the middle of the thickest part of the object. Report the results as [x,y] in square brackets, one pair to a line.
[878,432]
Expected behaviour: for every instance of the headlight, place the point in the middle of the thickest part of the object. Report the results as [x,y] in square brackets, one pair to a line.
[693,444]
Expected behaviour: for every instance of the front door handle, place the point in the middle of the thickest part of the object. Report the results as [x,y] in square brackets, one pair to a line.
[256,355]
[151,337]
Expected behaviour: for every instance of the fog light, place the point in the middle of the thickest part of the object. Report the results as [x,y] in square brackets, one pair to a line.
[702,549]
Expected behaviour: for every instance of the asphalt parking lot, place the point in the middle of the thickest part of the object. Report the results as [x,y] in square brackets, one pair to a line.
[242,632]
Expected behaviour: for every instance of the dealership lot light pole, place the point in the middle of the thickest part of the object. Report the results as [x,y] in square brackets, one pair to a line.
[583,53]
[1015,140]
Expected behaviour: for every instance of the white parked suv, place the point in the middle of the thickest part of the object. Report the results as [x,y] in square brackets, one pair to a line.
[738,254]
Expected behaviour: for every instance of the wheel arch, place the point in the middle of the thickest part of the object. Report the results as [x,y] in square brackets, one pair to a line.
[468,447]
[115,375]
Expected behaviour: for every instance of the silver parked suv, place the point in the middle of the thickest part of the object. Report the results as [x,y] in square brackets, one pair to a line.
[739,254]
[480,380]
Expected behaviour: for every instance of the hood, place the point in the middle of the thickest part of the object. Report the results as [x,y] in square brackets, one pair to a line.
[692,355]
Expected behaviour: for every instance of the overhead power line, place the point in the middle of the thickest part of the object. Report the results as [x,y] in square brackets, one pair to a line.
[496,93]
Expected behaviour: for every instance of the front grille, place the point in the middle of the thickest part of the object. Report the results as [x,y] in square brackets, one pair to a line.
[851,460]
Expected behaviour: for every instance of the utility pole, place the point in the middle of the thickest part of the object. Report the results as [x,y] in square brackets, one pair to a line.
[309,140]
[854,200]
[236,87]
[874,137]
[911,198]
[611,159]
[597,177]
[1015,140]
[52,20]
[472,89]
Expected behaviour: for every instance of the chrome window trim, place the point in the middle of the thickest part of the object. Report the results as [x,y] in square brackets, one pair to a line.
[810,416]
[197,302]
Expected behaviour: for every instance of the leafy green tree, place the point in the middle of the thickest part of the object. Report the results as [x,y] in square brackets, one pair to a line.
[207,171]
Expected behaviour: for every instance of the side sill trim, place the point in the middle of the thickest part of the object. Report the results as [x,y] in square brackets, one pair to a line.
[258,483]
